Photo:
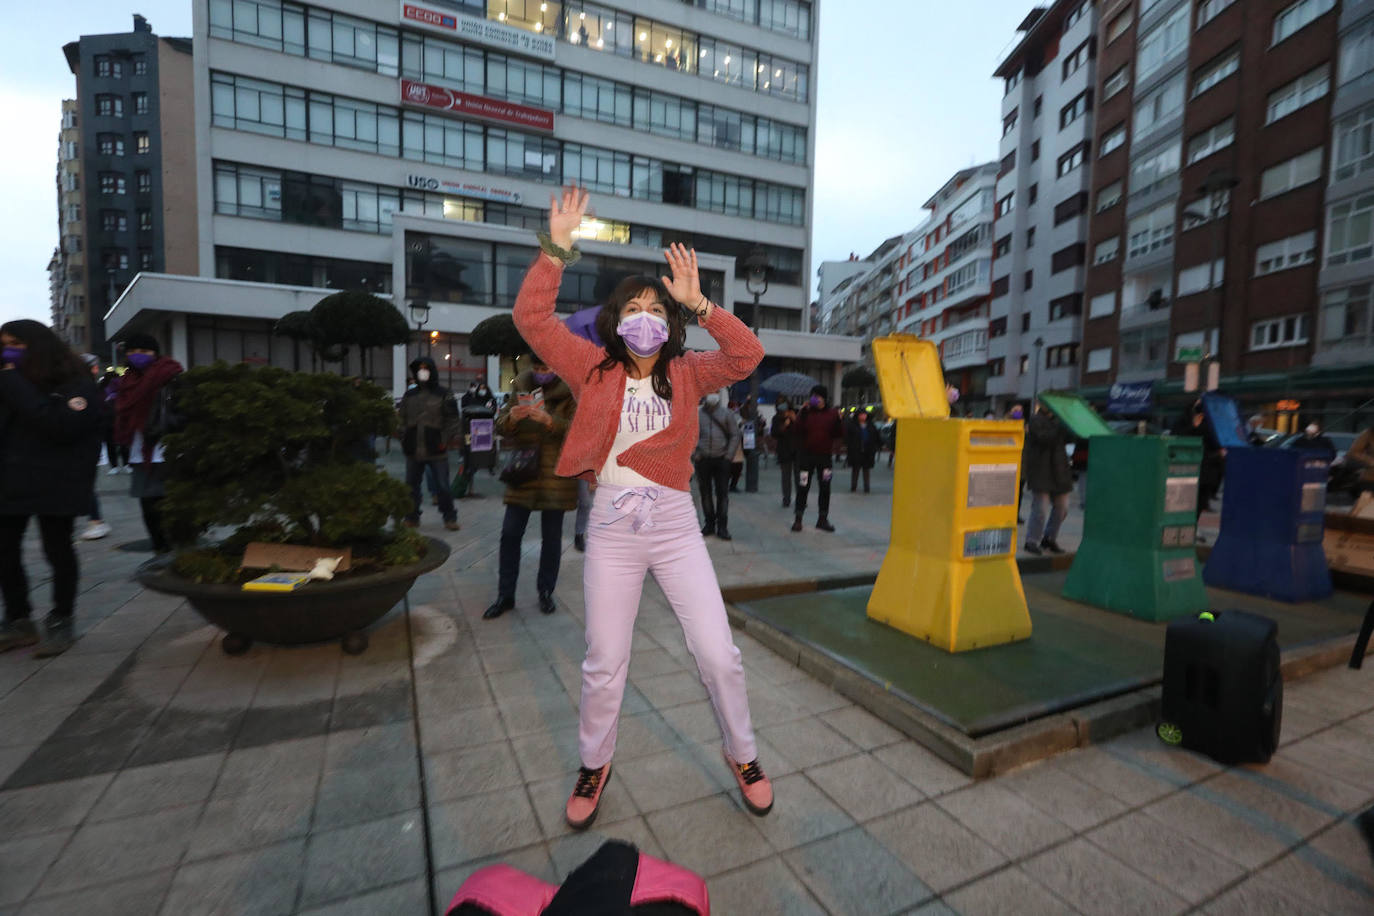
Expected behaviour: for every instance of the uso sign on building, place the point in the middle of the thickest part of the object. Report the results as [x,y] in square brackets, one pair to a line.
[475,106]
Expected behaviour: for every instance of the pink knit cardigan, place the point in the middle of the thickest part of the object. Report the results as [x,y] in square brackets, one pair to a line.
[664,457]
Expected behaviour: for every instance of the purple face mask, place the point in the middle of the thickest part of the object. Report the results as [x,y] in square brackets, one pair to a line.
[814,400]
[644,334]
[140,361]
[13,355]
[543,378]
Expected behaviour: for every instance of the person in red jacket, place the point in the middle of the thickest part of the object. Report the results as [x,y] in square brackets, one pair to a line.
[632,436]
[817,429]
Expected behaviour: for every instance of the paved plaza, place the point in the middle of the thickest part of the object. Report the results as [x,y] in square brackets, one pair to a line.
[146,772]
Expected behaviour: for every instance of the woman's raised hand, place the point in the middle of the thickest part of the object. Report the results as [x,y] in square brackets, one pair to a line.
[685,283]
[565,214]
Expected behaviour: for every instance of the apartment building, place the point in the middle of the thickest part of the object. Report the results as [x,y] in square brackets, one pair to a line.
[410,150]
[131,139]
[67,267]
[1050,115]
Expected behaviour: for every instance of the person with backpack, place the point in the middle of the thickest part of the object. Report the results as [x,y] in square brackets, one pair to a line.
[143,415]
[49,443]
[429,422]
[718,439]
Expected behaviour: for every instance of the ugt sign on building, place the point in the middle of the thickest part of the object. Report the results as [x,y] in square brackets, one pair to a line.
[438,98]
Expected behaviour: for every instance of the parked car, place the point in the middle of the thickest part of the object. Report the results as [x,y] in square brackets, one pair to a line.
[1339,478]
[1342,442]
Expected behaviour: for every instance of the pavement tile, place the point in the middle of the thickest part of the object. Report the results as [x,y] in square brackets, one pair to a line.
[271,813]
[142,790]
[65,759]
[1229,829]
[251,770]
[178,734]
[41,809]
[1346,848]
[343,863]
[1012,825]
[269,724]
[1161,853]
[813,696]
[667,690]
[454,730]
[356,794]
[1324,882]
[1009,892]
[1063,796]
[1095,883]
[26,725]
[647,734]
[938,849]
[651,662]
[379,745]
[693,721]
[538,714]
[23,862]
[405,898]
[139,896]
[474,771]
[852,874]
[801,814]
[709,835]
[575,847]
[261,882]
[100,853]
[668,779]
[480,826]
[1286,807]
[921,768]
[764,887]
[1142,749]
[809,742]
[547,755]
[11,757]
[862,727]
[1258,896]
[1120,776]
[864,787]
[550,796]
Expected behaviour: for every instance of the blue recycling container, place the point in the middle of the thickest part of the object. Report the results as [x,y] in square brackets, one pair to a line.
[1273,515]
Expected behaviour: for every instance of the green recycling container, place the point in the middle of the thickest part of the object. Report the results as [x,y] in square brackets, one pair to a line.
[1138,555]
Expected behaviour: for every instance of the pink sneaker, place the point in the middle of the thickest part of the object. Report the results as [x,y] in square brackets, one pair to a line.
[586,796]
[754,787]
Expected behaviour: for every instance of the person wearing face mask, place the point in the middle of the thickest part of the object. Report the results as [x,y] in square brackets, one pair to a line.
[816,430]
[143,415]
[50,417]
[477,404]
[429,422]
[785,446]
[633,434]
[861,446]
[718,438]
[539,424]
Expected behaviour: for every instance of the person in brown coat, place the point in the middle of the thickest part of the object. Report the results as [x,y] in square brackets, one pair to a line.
[537,418]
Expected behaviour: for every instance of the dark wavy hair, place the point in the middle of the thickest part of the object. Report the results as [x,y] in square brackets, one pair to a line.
[48,362]
[619,354]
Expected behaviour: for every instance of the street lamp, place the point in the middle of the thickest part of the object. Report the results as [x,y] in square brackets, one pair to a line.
[1035,387]
[419,313]
[756,282]
[1216,187]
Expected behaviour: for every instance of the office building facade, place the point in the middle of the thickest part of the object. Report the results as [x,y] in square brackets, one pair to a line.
[67,267]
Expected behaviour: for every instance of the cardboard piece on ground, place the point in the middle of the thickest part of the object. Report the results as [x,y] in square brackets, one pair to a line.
[1348,551]
[1364,506]
[293,557]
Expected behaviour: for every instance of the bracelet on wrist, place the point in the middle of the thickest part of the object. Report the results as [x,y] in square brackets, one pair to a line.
[566,255]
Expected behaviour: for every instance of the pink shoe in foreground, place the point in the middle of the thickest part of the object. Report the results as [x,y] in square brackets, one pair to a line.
[586,796]
[754,787]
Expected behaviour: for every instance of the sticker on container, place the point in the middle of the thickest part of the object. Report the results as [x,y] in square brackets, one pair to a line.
[1180,494]
[1170,536]
[1313,498]
[1183,470]
[1179,569]
[991,485]
[988,542]
[992,441]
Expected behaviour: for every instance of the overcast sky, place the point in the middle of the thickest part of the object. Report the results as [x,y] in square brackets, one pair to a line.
[906,98]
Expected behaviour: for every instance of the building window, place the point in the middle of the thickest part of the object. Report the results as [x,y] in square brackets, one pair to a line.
[1353,143]
[1081,105]
[1099,360]
[1029,280]
[1158,106]
[145,259]
[1030,237]
[1153,168]
[997,367]
[997,327]
[1350,234]
[1068,257]
[1278,332]
[1080,56]
[1077,13]
[1006,204]
[145,182]
[1008,163]
[1217,137]
[1346,316]
[142,145]
[1304,90]
[1200,277]
[1102,305]
[1033,193]
[114,259]
[108,67]
[1061,356]
[1072,159]
[1144,349]
[1220,67]
[1035,151]
[1025,322]
[1300,170]
[113,221]
[112,183]
[1112,140]
[1035,108]
[1207,10]
[145,220]
[1162,42]
[1108,196]
[1003,247]
[1009,123]
[1106,251]
[1118,26]
[141,103]
[1357,53]
[1298,15]
[1001,286]
[1293,251]
[1192,218]
[1024,367]
[140,65]
[1011,83]
[109,106]
[1151,231]
[1066,306]
[1070,207]
[110,144]
[1119,80]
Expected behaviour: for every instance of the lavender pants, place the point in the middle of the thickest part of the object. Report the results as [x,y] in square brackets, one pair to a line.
[635,530]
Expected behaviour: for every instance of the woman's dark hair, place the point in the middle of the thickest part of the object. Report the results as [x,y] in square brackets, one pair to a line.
[616,351]
[48,362]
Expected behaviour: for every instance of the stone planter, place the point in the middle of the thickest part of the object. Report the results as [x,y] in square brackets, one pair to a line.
[317,612]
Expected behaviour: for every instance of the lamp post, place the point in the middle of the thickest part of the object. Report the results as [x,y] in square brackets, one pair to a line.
[1217,187]
[419,313]
[1035,385]
[756,282]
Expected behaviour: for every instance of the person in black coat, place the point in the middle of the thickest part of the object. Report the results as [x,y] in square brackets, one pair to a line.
[785,446]
[861,443]
[49,443]
[1195,423]
[1045,467]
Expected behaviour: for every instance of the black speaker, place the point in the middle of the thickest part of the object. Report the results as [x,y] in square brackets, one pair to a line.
[1222,693]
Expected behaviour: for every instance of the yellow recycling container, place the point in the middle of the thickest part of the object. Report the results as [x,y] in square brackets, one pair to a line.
[950,575]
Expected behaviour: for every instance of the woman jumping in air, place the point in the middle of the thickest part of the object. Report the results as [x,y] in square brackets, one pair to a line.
[633,435]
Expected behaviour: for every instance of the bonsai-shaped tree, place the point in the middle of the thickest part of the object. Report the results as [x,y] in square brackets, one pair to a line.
[300,327]
[351,318]
[860,377]
[497,336]
[277,453]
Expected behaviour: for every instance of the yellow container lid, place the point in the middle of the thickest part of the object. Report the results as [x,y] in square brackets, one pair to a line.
[909,374]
